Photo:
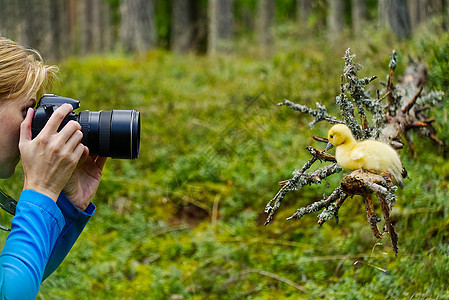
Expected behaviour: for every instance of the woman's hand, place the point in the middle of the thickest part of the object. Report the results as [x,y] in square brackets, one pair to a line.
[83,183]
[49,160]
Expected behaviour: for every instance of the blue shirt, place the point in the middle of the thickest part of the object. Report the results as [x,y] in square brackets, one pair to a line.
[42,234]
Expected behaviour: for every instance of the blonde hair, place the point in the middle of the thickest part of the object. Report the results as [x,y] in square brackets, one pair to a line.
[22,71]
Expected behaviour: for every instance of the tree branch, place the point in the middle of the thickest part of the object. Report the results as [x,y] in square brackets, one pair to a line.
[318,205]
[299,180]
[320,114]
[405,111]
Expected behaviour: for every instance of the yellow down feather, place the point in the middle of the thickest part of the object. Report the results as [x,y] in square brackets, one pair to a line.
[369,155]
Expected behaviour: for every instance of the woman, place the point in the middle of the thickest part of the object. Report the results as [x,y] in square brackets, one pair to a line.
[60,176]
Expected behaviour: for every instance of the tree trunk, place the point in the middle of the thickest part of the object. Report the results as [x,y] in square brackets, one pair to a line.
[382,14]
[138,25]
[422,10]
[70,21]
[335,18]
[399,18]
[221,26]
[415,13]
[358,8]
[182,27]
[10,20]
[83,31]
[265,14]
[35,26]
[95,26]
[304,10]
[107,31]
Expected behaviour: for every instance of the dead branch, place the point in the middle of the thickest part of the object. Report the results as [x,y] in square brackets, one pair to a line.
[356,88]
[331,210]
[320,139]
[406,105]
[347,111]
[361,182]
[371,215]
[391,91]
[388,224]
[299,180]
[407,108]
[319,205]
[405,111]
[321,155]
[320,114]
[365,183]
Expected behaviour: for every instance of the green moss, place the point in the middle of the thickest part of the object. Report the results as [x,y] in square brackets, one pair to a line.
[184,221]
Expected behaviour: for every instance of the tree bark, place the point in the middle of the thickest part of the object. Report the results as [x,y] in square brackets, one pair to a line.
[415,12]
[265,14]
[399,18]
[304,10]
[34,31]
[358,8]
[335,18]
[382,14]
[107,31]
[10,22]
[182,27]
[91,34]
[422,10]
[138,26]
[221,26]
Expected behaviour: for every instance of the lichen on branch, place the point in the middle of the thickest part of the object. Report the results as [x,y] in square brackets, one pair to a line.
[367,117]
[320,114]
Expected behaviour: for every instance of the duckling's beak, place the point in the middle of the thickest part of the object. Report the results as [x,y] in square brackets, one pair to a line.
[329,145]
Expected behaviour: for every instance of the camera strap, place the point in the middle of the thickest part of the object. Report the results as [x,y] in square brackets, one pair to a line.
[8,204]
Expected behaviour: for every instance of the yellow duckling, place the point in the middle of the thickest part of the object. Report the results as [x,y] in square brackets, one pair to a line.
[369,155]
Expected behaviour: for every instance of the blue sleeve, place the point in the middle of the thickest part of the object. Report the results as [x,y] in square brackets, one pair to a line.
[34,231]
[75,221]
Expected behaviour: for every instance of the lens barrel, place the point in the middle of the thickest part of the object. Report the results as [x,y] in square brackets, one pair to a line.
[113,133]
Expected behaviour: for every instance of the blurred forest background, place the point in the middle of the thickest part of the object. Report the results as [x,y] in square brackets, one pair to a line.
[185,220]
[63,28]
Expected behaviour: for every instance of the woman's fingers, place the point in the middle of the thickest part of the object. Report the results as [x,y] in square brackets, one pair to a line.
[73,142]
[65,140]
[56,118]
[78,153]
[25,127]
[101,162]
[70,131]
[70,135]
[53,153]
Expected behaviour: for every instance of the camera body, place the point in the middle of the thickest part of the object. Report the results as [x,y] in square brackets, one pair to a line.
[113,133]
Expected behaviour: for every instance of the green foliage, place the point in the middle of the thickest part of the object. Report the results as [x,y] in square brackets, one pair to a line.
[184,221]
[438,65]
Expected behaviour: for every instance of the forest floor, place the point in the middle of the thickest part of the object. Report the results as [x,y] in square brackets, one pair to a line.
[185,220]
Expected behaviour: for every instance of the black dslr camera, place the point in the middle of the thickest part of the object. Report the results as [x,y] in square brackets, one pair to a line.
[113,133]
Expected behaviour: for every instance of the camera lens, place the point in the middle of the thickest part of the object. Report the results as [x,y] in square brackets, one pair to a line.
[113,133]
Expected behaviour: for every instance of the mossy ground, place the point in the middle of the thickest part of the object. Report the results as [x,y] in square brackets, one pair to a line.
[185,220]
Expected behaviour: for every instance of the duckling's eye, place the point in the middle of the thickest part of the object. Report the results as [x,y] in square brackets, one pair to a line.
[332,136]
